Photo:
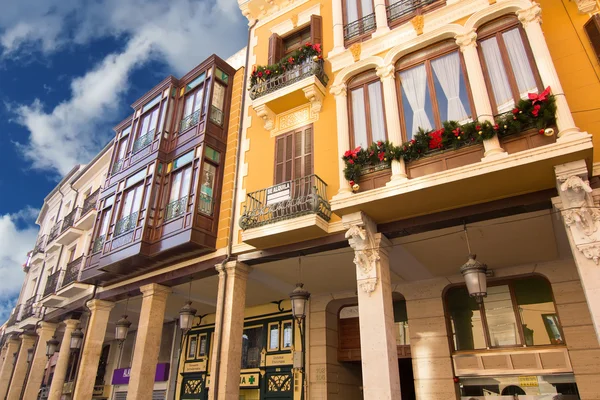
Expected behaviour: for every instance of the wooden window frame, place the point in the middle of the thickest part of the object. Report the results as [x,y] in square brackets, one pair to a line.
[300,31]
[303,167]
[140,124]
[363,81]
[218,184]
[484,324]
[189,342]
[276,49]
[359,38]
[495,29]
[426,56]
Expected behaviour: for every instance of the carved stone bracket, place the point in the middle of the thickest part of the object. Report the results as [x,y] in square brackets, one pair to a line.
[338,90]
[314,95]
[587,6]
[591,251]
[267,116]
[466,40]
[386,71]
[529,15]
[367,285]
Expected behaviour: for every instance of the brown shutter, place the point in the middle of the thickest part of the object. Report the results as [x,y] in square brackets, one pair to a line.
[275,49]
[293,155]
[592,29]
[316,30]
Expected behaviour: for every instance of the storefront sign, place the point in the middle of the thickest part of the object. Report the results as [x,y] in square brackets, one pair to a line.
[121,375]
[246,380]
[279,359]
[199,366]
[528,381]
[278,193]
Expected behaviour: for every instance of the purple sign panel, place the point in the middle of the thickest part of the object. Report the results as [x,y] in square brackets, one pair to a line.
[121,375]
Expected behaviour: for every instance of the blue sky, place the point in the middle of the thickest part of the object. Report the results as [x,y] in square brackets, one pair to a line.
[69,70]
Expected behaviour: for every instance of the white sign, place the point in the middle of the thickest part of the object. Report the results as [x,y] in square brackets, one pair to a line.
[278,193]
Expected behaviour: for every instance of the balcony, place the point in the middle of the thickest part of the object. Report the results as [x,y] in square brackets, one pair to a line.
[143,141]
[302,85]
[403,10]
[70,285]
[68,233]
[126,224]
[28,309]
[14,317]
[282,212]
[51,244]
[37,254]
[88,213]
[51,283]
[359,29]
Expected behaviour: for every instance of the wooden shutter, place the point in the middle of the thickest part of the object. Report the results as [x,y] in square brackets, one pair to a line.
[283,158]
[303,152]
[275,49]
[293,155]
[316,29]
[592,29]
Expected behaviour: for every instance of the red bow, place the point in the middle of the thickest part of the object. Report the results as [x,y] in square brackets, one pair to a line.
[534,97]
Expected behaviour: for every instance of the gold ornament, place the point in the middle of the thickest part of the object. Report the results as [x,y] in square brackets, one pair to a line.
[355,187]
[458,137]
[548,132]
[480,132]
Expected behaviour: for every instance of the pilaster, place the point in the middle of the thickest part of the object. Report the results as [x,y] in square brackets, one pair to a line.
[338,27]
[8,363]
[20,371]
[38,364]
[147,341]
[379,355]
[343,134]
[380,18]
[60,369]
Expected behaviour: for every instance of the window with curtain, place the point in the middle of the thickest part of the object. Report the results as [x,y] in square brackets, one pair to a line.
[509,68]
[132,202]
[518,313]
[359,18]
[181,180]
[433,89]
[147,129]
[367,113]
[218,101]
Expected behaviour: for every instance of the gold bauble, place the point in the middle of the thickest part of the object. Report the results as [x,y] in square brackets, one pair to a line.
[549,132]
[355,187]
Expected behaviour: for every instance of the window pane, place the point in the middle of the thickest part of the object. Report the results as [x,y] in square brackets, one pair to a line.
[274,337]
[537,312]
[519,62]
[351,10]
[376,110]
[416,99]
[465,317]
[195,82]
[287,334]
[401,323]
[251,347]
[192,347]
[202,346]
[206,188]
[185,185]
[122,149]
[189,105]
[175,186]
[218,96]
[151,103]
[105,219]
[359,118]
[128,203]
[497,74]
[500,317]
[449,76]
[367,7]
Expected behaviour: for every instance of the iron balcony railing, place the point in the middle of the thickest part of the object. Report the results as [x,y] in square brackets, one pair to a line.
[14,318]
[205,204]
[297,73]
[359,27]
[98,242]
[70,218]
[28,308]
[90,202]
[126,224]
[292,199]
[190,120]
[402,8]
[176,208]
[117,166]
[51,283]
[216,115]
[72,271]
[143,141]
[54,232]
[40,245]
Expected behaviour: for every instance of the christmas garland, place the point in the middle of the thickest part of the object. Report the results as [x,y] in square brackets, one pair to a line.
[263,72]
[537,111]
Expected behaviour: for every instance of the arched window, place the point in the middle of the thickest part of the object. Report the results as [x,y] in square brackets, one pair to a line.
[507,62]
[366,110]
[519,312]
[433,88]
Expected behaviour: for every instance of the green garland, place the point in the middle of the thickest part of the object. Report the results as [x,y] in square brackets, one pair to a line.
[263,72]
[538,111]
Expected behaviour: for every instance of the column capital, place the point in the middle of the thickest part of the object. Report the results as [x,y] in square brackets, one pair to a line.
[338,90]
[466,40]
[71,323]
[47,326]
[385,71]
[156,290]
[234,268]
[529,15]
[100,305]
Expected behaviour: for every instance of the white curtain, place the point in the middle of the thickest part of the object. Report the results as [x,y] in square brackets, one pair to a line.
[497,73]
[367,7]
[359,120]
[351,11]
[448,70]
[414,83]
[519,62]
[376,110]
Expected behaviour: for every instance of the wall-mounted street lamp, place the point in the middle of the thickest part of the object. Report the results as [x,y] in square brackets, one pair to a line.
[51,346]
[474,273]
[121,329]
[299,297]
[30,355]
[186,317]
[76,339]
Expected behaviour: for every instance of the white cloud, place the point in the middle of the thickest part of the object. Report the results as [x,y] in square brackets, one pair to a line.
[180,33]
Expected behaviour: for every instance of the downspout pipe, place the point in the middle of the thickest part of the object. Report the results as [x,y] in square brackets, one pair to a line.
[221,294]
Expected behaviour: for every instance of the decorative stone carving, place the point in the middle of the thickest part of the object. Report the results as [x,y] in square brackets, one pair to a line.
[267,116]
[579,209]
[529,15]
[366,251]
[294,20]
[466,40]
[367,285]
[418,23]
[315,97]
[591,251]
[587,6]
[356,49]
[338,90]
[386,71]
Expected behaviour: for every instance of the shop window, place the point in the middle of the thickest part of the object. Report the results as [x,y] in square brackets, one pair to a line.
[560,386]
[192,347]
[366,110]
[252,344]
[520,312]
[203,351]
[288,333]
[274,336]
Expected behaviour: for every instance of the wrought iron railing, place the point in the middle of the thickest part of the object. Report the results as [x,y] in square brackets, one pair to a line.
[126,224]
[117,166]
[72,271]
[189,121]
[98,242]
[70,219]
[14,318]
[176,208]
[28,308]
[40,245]
[54,232]
[143,141]
[295,74]
[302,196]
[51,283]
[216,115]
[359,27]
[402,8]
[205,204]
[90,202]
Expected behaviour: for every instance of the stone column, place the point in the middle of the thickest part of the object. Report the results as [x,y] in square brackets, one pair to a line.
[380,18]
[481,98]
[92,348]
[38,364]
[338,27]
[582,222]
[343,134]
[60,369]
[147,341]
[21,367]
[8,363]
[531,20]
[233,276]
[379,355]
